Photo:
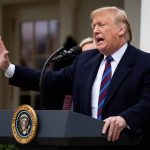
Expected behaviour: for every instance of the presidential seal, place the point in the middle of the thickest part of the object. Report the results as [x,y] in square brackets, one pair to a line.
[24,124]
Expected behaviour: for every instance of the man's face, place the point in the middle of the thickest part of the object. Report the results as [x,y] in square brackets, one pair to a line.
[106,33]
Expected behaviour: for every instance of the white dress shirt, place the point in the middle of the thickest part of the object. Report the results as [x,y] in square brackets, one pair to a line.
[96,86]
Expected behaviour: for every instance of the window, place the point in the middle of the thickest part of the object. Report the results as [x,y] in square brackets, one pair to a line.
[38,40]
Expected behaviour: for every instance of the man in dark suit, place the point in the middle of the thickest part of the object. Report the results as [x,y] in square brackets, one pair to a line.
[127,100]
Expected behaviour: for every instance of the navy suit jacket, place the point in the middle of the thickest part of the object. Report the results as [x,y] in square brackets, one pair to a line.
[129,90]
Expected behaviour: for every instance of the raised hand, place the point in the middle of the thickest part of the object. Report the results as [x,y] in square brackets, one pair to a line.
[4,59]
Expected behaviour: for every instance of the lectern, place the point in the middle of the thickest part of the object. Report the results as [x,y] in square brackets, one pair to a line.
[64,128]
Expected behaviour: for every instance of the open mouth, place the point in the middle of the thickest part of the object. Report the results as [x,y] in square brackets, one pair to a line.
[99,40]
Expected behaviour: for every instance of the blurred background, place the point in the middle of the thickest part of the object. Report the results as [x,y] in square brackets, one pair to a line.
[33,29]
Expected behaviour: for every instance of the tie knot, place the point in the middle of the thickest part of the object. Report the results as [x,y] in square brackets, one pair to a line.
[109,58]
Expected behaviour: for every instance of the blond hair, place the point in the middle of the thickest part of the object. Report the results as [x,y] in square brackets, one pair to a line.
[120,16]
[86,41]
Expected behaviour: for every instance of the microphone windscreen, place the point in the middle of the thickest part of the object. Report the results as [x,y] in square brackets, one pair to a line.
[76,50]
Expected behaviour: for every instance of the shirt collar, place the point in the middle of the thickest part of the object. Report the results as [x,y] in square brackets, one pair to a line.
[119,53]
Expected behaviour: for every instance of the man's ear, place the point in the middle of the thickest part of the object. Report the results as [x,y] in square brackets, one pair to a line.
[122,29]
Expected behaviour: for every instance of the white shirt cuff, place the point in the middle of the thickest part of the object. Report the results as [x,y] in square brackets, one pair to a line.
[10,71]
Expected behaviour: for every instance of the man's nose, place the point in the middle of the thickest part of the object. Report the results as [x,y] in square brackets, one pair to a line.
[96,29]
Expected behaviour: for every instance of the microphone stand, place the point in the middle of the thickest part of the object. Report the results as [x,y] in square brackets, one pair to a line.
[41,83]
[58,55]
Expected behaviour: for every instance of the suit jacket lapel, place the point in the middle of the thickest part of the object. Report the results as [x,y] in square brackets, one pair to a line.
[122,71]
[90,74]
[94,65]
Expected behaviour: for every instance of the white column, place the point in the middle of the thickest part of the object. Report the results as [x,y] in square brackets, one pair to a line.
[66,18]
[133,10]
[145,26]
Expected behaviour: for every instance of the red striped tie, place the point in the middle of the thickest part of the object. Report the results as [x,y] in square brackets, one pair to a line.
[67,102]
[106,78]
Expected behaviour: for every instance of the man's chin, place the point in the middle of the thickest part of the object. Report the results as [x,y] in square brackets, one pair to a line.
[101,49]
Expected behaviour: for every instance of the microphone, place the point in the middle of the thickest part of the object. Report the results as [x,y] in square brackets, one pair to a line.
[59,54]
[72,52]
[41,83]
